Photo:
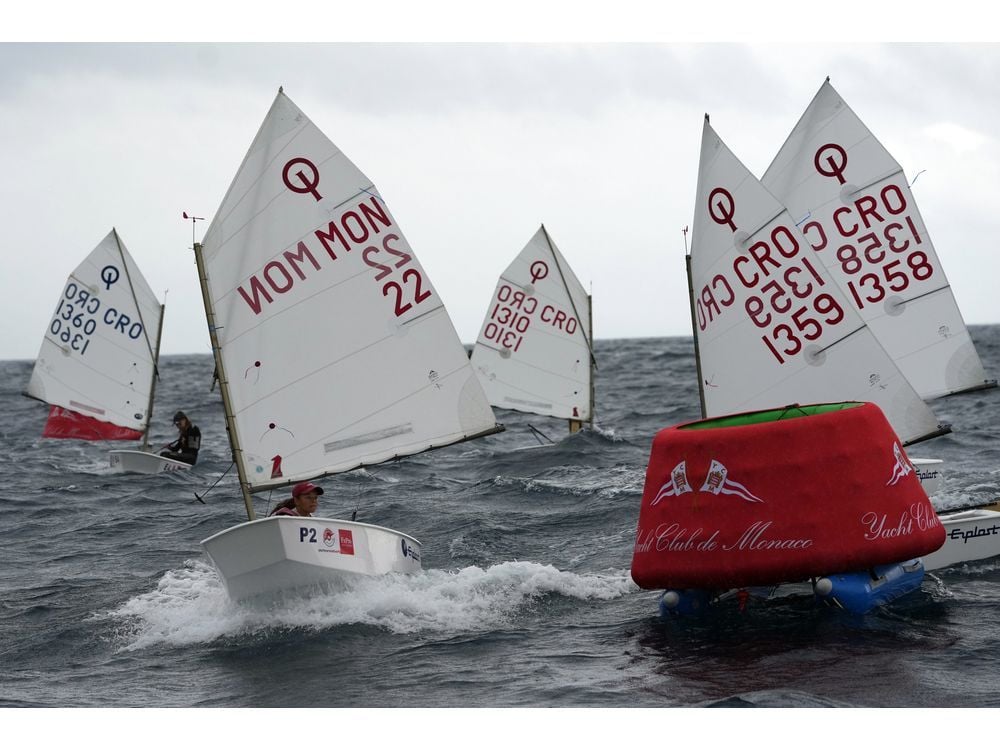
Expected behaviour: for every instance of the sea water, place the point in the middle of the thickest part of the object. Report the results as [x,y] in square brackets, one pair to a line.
[525,598]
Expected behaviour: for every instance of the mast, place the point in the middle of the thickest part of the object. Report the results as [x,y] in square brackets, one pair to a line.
[694,327]
[576,424]
[155,377]
[590,327]
[234,441]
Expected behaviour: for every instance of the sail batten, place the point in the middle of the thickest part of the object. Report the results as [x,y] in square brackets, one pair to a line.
[329,329]
[865,227]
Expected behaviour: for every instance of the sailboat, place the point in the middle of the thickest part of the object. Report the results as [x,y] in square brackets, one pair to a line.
[534,352]
[857,211]
[97,366]
[771,326]
[334,352]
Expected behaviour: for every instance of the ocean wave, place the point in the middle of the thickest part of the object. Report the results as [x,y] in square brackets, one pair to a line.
[190,605]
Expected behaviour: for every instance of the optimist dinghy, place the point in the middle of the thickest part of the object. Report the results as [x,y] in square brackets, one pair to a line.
[333,351]
[97,366]
[534,353]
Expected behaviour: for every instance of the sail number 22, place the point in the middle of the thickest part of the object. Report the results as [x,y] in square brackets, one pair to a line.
[410,284]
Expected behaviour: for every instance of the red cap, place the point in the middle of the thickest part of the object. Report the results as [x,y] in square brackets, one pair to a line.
[303,487]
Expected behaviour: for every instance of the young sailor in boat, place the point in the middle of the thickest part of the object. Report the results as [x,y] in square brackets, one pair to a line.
[303,502]
[185,447]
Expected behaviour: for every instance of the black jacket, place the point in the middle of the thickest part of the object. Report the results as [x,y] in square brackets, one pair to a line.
[185,448]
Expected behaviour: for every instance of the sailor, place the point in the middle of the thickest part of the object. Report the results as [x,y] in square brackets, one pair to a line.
[185,447]
[303,502]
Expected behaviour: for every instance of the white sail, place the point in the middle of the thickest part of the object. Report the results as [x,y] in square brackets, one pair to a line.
[337,349]
[533,353]
[97,356]
[860,217]
[772,326]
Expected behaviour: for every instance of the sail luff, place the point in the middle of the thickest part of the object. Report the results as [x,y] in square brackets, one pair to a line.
[694,333]
[234,441]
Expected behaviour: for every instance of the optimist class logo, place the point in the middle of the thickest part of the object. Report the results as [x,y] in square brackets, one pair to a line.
[716,482]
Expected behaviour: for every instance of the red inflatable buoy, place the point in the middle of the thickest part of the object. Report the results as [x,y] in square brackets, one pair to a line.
[778,496]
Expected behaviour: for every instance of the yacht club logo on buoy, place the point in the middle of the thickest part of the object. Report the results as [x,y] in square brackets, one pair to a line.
[901,468]
[717,482]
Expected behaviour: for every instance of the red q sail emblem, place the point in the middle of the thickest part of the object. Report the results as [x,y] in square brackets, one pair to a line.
[539,270]
[831,161]
[722,207]
[308,183]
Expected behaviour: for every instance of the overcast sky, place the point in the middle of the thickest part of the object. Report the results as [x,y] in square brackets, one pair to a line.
[472,145]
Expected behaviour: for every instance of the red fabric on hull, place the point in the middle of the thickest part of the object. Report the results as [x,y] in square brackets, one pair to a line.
[728,506]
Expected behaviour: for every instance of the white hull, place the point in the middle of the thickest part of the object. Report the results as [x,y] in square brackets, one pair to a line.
[281,553]
[970,535]
[143,462]
[929,472]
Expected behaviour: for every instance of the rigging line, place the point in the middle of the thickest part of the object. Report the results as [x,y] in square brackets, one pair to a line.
[199,497]
[572,303]
[536,432]
[917,175]
[131,288]
[357,503]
